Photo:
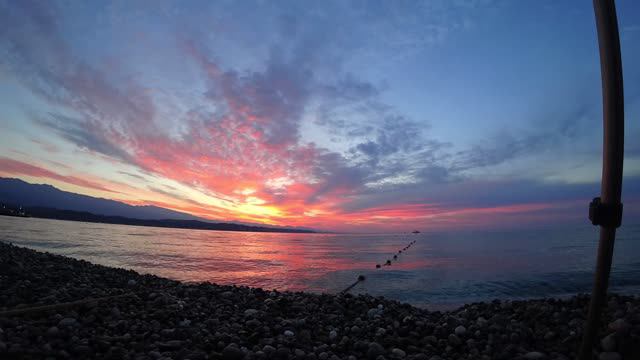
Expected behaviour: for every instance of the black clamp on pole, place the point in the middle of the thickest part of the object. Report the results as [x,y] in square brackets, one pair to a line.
[607,215]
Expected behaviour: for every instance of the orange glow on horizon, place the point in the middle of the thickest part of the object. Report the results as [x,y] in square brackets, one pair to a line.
[253,202]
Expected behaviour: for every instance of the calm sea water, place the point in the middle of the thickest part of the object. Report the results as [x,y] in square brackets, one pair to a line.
[441,270]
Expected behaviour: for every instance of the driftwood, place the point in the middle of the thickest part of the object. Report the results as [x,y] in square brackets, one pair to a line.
[37,309]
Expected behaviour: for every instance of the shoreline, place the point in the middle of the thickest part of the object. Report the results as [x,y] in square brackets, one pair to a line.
[90,218]
[148,317]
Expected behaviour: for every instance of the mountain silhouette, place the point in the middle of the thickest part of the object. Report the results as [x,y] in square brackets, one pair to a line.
[46,201]
[19,192]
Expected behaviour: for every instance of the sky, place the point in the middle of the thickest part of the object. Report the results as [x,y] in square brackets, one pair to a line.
[334,115]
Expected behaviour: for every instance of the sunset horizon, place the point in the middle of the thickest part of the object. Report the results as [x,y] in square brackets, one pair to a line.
[205,118]
[320,180]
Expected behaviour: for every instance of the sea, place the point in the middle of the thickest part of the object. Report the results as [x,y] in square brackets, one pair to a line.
[440,271]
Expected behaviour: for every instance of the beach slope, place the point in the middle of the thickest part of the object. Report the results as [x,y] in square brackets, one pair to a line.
[54,306]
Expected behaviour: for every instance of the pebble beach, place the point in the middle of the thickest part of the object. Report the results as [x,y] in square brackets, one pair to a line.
[57,307]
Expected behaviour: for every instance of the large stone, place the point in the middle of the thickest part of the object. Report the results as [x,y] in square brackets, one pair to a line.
[608,343]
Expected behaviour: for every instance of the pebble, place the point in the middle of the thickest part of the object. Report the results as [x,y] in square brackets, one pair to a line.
[53,331]
[481,322]
[619,325]
[231,352]
[170,345]
[398,353]
[534,355]
[454,340]
[608,343]
[609,356]
[67,322]
[374,312]
[165,319]
[460,330]
[375,350]
[115,312]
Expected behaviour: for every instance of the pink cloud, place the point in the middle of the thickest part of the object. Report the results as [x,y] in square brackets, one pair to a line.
[9,167]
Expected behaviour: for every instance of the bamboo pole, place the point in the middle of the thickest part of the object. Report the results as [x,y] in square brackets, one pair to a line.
[612,156]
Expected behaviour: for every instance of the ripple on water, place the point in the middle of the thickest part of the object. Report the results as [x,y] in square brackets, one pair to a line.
[447,268]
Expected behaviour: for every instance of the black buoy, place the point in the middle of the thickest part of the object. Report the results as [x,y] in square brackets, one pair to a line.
[395,256]
[361,277]
[377,266]
[388,262]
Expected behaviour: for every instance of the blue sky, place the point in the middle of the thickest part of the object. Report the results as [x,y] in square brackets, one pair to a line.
[336,114]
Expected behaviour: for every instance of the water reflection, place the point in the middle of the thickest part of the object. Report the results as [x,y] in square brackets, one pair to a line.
[438,269]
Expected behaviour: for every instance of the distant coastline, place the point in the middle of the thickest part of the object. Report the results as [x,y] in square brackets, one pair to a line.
[57,214]
[48,202]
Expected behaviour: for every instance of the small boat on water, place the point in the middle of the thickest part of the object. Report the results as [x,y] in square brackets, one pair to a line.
[416,232]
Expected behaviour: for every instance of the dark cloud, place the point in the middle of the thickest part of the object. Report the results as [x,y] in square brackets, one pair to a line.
[335,175]
[547,133]
[135,176]
[85,135]
[175,195]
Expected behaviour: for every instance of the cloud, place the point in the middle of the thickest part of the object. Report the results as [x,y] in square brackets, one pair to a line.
[245,126]
[135,176]
[177,196]
[9,167]
[86,135]
[552,131]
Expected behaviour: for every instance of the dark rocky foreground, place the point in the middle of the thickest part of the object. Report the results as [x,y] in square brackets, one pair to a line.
[162,319]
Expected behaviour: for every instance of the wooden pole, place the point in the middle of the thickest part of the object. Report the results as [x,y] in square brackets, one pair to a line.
[612,157]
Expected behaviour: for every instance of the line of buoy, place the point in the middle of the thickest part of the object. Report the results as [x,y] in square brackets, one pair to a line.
[360,278]
[395,256]
[378,266]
